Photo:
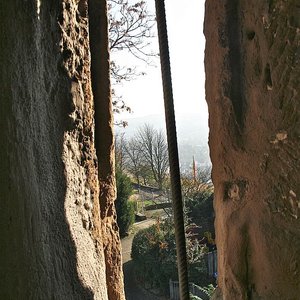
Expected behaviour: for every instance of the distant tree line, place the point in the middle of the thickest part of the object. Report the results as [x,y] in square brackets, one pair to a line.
[144,156]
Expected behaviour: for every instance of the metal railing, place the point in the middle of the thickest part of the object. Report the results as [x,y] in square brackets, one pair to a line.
[212,263]
[194,290]
[212,268]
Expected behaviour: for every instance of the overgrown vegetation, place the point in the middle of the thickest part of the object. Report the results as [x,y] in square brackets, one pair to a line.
[154,257]
[200,211]
[154,250]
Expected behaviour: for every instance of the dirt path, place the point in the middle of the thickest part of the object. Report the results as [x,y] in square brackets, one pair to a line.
[132,290]
[127,241]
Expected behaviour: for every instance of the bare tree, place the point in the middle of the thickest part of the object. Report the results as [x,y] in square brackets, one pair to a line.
[130,28]
[120,153]
[145,173]
[134,162]
[130,158]
[161,160]
[154,149]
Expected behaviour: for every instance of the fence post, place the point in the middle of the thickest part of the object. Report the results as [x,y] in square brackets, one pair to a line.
[215,262]
[193,288]
[171,289]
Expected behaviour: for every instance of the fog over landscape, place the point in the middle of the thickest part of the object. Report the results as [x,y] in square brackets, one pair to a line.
[144,94]
[192,134]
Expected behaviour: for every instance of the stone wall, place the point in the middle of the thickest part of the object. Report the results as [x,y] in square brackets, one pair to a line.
[252,88]
[51,244]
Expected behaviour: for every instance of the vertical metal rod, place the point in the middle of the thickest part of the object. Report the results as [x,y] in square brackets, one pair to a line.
[173,150]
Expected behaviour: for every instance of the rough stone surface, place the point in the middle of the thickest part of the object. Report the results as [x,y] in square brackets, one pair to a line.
[100,66]
[252,88]
[51,244]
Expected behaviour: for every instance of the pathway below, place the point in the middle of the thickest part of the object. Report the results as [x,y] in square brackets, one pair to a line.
[132,289]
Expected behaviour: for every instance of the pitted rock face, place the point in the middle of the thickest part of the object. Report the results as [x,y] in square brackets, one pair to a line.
[252,90]
[51,244]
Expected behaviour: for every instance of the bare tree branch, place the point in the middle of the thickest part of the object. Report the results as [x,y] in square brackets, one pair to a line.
[130,30]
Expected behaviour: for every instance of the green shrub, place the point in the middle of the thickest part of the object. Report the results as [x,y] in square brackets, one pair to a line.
[125,208]
[200,210]
[154,257]
[207,290]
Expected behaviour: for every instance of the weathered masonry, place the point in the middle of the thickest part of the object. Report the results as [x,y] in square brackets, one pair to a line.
[57,240]
[252,88]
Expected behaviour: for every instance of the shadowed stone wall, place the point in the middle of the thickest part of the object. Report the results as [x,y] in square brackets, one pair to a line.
[51,244]
[252,88]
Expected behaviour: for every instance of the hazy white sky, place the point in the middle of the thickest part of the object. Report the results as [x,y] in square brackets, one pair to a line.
[186,41]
